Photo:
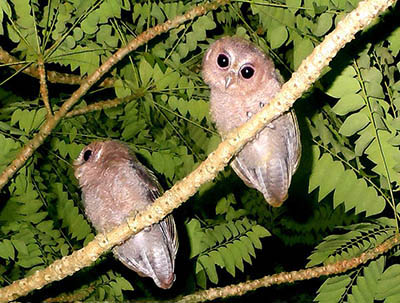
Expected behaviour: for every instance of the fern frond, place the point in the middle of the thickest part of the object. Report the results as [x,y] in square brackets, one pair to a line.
[360,238]
[330,175]
[226,245]
[359,285]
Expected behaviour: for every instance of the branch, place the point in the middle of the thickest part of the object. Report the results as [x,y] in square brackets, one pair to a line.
[51,122]
[43,87]
[103,105]
[52,76]
[76,296]
[290,277]
[301,80]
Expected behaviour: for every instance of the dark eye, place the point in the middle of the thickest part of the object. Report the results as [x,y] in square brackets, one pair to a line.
[247,72]
[223,60]
[87,155]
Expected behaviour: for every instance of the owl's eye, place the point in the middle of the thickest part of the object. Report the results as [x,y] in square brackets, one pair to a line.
[247,72]
[223,61]
[87,155]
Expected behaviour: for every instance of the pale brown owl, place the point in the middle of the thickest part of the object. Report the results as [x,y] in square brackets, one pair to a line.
[114,186]
[242,80]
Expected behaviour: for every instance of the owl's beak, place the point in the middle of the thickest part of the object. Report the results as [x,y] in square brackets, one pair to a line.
[228,80]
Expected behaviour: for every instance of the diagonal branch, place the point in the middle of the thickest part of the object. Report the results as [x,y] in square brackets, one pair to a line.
[140,40]
[301,80]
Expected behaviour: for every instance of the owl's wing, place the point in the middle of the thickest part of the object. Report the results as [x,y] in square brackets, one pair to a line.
[168,228]
[148,179]
[293,142]
[149,254]
[268,163]
[154,188]
[243,172]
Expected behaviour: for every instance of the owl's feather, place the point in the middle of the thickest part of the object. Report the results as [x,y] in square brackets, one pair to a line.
[268,162]
[116,185]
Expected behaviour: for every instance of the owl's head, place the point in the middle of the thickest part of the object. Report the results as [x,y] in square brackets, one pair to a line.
[97,158]
[236,66]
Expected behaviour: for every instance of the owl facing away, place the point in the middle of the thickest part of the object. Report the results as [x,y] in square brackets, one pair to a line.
[116,185]
[242,80]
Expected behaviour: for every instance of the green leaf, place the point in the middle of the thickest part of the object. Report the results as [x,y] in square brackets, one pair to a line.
[302,49]
[348,189]
[195,233]
[394,41]
[365,139]
[333,289]
[228,260]
[209,266]
[384,154]
[342,86]
[374,90]
[7,250]
[5,7]
[293,5]
[388,284]
[348,104]
[353,124]
[277,36]
[29,262]
[324,24]
[145,71]
[89,24]
[366,285]
[123,283]
[260,231]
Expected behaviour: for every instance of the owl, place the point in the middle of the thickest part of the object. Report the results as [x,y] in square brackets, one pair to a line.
[116,185]
[242,80]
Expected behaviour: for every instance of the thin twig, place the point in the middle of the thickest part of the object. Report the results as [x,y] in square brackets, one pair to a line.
[52,76]
[101,105]
[43,87]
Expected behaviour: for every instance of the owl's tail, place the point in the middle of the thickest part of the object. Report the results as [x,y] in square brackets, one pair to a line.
[274,180]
